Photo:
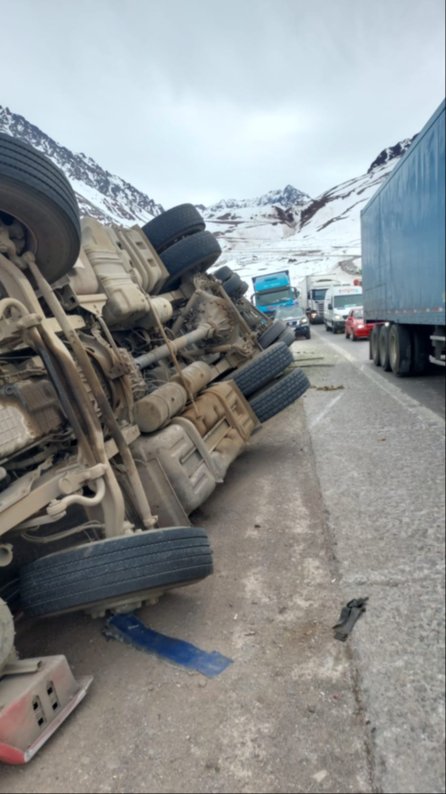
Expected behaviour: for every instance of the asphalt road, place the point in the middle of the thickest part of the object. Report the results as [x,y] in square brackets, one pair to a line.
[428,390]
[339,496]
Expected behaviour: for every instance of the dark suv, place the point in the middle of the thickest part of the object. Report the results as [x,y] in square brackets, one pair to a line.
[296,318]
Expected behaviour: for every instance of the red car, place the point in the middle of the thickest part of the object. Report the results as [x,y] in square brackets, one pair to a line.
[356,327]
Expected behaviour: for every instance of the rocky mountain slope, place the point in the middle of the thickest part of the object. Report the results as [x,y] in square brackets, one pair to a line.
[105,196]
[283,228]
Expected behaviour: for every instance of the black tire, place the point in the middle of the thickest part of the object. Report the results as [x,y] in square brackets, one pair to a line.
[374,346]
[234,286]
[115,568]
[279,395]
[197,252]
[250,377]
[309,334]
[353,337]
[173,225]
[420,351]
[38,194]
[400,350]
[223,273]
[383,348]
[272,333]
[287,336]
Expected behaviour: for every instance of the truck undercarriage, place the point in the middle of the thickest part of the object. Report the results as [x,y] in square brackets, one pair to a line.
[130,380]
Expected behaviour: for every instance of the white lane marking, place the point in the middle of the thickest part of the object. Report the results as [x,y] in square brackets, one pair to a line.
[323,413]
[424,414]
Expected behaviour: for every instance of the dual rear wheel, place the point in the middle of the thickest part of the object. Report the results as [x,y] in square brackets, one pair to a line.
[400,349]
[180,239]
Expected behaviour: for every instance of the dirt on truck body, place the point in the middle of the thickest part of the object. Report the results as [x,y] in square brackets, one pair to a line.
[130,380]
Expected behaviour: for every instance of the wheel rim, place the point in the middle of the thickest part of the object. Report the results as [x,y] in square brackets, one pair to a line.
[393,350]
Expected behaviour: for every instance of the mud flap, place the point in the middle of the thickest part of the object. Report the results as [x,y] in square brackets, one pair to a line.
[36,697]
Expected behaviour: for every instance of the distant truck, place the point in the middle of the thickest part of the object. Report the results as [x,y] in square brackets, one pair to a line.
[273,291]
[403,257]
[313,293]
[340,299]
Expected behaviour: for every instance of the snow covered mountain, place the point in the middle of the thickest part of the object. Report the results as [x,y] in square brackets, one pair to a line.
[321,235]
[100,194]
[283,228]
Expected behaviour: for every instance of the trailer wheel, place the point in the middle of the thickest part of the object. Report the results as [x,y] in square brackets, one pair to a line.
[250,377]
[374,345]
[288,336]
[37,193]
[383,348]
[197,252]
[400,350]
[114,570]
[223,273]
[272,333]
[234,286]
[279,395]
[6,633]
[172,225]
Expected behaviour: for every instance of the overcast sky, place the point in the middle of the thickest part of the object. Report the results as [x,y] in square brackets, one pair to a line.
[198,100]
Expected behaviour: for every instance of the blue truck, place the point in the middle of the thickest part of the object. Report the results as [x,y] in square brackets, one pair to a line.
[403,257]
[273,291]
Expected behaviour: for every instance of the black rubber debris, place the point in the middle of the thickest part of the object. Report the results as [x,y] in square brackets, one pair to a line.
[349,615]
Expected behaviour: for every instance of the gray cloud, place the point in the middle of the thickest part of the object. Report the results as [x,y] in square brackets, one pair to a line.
[202,100]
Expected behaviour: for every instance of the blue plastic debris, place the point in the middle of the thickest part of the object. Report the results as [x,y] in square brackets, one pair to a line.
[129,629]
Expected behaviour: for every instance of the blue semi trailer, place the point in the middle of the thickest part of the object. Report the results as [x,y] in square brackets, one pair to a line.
[403,257]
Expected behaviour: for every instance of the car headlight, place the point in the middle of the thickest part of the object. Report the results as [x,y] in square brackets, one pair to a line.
[303,321]
[337,316]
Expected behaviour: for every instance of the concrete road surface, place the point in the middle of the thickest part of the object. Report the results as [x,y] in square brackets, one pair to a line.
[339,496]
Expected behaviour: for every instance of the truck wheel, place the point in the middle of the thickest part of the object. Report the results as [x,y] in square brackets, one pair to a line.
[287,336]
[374,345]
[271,334]
[383,348]
[234,286]
[114,569]
[6,633]
[38,194]
[420,351]
[223,273]
[197,252]
[279,395]
[172,225]
[400,350]
[250,377]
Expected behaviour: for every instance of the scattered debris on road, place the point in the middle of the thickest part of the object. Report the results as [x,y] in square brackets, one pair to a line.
[349,615]
[128,628]
[327,388]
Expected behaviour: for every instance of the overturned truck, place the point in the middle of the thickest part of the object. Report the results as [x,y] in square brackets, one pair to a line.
[130,380]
